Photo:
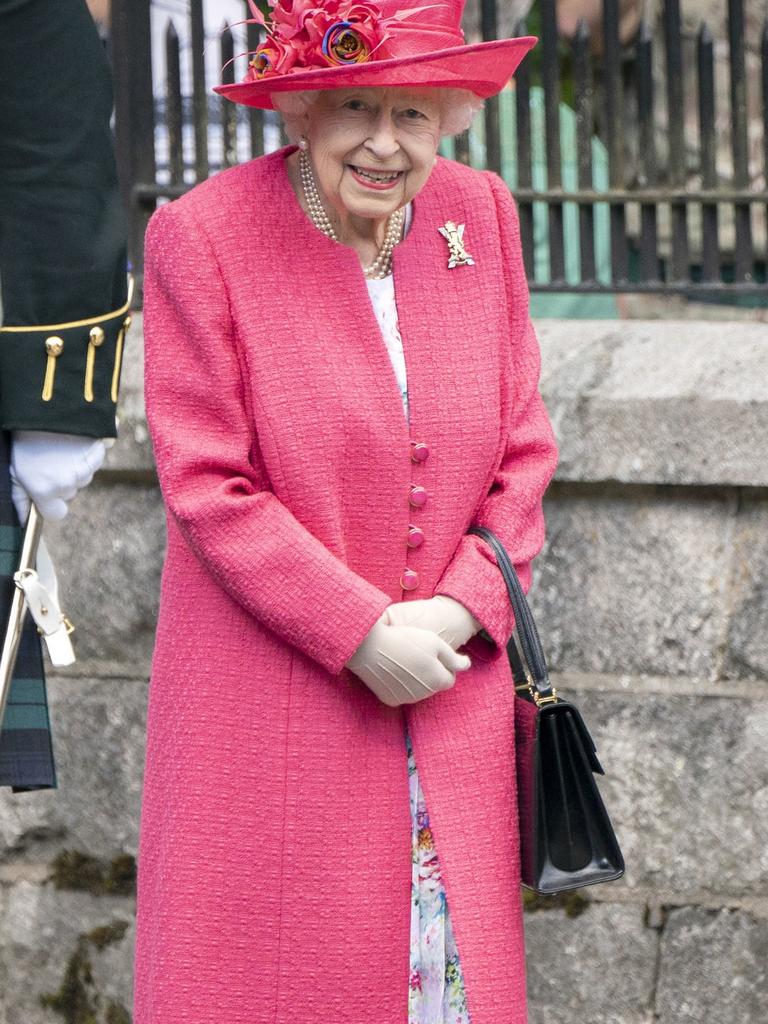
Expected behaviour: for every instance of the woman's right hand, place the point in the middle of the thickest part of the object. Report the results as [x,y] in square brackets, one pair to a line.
[405,664]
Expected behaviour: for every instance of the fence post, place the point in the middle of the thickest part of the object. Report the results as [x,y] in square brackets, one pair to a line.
[131,52]
[199,89]
[679,263]
[743,248]
[490,30]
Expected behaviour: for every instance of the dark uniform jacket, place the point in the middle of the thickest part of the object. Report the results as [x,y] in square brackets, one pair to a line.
[64,289]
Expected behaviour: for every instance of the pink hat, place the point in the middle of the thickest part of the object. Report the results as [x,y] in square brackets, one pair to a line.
[335,44]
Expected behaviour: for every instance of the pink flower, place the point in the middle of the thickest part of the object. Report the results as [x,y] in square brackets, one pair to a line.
[303,35]
[288,17]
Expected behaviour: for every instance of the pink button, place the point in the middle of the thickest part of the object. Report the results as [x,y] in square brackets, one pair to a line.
[418,495]
[419,451]
[415,537]
[409,579]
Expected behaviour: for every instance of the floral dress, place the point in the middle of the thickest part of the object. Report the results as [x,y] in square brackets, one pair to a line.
[436,985]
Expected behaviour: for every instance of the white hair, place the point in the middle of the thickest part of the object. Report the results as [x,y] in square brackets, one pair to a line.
[457,109]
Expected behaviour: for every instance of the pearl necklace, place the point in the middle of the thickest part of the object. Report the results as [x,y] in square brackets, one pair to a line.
[381,266]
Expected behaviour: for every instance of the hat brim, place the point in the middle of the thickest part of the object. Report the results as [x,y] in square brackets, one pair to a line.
[483,68]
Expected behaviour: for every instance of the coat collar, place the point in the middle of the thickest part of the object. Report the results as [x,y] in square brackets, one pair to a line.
[429,298]
[314,237]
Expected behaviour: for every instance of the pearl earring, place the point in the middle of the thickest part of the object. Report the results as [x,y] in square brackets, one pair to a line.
[303,142]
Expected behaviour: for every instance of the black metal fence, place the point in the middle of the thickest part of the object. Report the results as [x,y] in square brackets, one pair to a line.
[668,190]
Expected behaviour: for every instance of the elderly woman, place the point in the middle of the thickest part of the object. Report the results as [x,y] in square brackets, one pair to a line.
[341,377]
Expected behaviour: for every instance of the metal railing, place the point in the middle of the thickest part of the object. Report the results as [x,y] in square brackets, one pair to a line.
[646,190]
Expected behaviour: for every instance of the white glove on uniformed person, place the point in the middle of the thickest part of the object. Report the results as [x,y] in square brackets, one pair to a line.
[405,664]
[50,468]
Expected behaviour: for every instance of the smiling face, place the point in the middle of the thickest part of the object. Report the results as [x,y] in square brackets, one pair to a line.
[390,133]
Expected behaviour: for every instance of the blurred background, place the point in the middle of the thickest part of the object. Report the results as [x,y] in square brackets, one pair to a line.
[660,105]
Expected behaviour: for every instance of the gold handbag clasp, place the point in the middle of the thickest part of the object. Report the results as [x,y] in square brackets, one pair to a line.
[538,700]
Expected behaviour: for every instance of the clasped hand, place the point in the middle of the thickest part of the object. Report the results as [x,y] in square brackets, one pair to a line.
[442,614]
[410,653]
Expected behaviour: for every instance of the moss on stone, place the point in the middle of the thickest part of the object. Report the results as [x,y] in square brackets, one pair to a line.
[120,878]
[78,1000]
[572,902]
[116,1014]
[73,869]
[107,933]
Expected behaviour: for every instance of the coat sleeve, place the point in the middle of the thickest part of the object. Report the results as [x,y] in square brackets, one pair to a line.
[63,231]
[513,505]
[207,458]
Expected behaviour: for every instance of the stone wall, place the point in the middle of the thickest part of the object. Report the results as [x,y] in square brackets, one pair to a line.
[652,598]
[652,594]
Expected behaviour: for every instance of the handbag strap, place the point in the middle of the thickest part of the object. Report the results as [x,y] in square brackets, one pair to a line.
[537,673]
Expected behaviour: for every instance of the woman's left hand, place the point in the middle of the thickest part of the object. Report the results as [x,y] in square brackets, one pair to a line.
[442,614]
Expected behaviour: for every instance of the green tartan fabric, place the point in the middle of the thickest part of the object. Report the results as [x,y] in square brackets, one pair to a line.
[26,748]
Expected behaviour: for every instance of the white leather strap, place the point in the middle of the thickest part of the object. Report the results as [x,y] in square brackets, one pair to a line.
[41,592]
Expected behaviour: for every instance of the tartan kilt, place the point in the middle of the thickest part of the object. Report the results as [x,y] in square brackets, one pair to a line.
[26,749]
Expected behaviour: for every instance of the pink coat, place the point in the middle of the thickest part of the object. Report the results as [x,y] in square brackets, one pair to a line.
[274,861]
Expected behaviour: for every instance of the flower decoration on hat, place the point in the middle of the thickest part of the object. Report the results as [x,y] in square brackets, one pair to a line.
[302,35]
[343,43]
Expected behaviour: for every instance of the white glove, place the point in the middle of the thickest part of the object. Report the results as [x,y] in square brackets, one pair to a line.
[404,664]
[442,614]
[50,469]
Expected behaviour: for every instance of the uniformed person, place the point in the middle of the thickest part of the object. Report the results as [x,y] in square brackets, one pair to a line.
[65,309]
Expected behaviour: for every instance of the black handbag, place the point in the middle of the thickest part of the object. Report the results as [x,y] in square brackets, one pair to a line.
[566,837]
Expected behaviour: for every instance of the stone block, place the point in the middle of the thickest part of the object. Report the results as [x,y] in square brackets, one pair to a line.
[108,553]
[75,947]
[644,402]
[686,786]
[597,967]
[746,654]
[654,401]
[713,969]
[98,730]
[633,583]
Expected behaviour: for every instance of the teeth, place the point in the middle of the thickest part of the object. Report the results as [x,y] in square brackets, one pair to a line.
[376,177]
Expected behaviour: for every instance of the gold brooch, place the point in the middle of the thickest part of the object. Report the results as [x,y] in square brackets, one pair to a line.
[457,254]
